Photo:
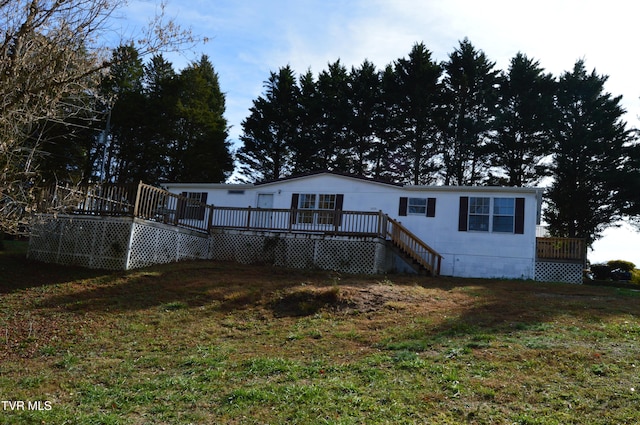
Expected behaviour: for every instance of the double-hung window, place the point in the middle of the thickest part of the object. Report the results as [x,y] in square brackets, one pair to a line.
[503,214]
[479,212]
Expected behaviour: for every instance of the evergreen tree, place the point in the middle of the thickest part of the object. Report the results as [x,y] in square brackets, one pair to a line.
[416,91]
[365,99]
[469,98]
[161,119]
[202,151]
[386,156]
[124,84]
[335,118]
[590,139]
[305,151]
[523,122]
[271,130]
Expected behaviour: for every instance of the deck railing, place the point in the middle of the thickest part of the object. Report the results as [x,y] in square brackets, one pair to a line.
[562,249]
[137,200]
[108,199]
[343,223]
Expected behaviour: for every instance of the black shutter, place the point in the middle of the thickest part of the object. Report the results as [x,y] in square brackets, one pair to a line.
[519,218]
[402,210]
[294,207]
[463,217]
[339,203]
[431,207]
[201,209]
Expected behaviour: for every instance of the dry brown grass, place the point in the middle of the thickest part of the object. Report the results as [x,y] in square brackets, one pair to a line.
[210,342]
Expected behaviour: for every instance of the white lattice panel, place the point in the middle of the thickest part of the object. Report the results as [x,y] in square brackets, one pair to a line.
[547,271]
[94,242]
[154,243]
[350,256]
[300,253]
[361,255]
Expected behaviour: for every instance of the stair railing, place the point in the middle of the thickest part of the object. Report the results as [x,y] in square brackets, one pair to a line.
[413,246]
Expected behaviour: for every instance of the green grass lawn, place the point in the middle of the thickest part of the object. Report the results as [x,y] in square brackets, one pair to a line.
[210,342]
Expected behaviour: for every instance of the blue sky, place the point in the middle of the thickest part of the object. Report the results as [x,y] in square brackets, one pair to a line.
[250,38]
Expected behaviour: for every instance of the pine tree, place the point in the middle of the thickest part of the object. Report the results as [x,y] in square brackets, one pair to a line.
[335,118]
[590,137]
[203,151]
[523,122]
[469,99]
[271,130]
[124,84]
[161,119]
[416,90]
[364,98]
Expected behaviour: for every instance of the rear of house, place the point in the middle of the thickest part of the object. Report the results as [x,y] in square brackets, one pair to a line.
[479,231]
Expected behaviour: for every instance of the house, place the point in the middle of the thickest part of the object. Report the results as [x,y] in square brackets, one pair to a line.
[485,232]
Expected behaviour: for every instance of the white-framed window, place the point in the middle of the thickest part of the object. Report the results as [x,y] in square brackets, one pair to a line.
[492,214]
[503,215]
[486,214]
[317,208]
[479,213]
[417,206]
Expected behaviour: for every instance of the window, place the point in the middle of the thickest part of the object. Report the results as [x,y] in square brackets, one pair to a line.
[417,206]
[503,214]
[484,214]
[327,203]
[316,208]
[307,202]
[479,214]
[194,206]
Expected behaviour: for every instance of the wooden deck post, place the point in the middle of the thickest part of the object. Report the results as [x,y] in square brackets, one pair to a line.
[136,206]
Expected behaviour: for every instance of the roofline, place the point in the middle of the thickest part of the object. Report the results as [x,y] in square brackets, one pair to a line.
[506,189]
[208,185]
[333,173]
[430,188]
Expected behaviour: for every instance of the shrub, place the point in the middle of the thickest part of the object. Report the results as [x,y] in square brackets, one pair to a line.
[622,265]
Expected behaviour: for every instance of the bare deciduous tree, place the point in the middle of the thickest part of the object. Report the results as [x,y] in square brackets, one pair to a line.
[52,51]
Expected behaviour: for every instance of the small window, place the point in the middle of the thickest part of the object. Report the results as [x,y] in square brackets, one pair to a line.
[417,206]
[479,211]
[235,192]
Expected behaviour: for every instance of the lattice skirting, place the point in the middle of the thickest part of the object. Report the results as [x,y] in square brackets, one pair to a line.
[547,271]
[155,243]
[350,255]
[112,243]
[94,242]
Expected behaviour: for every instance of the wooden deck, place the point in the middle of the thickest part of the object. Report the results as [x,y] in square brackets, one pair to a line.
[573,250]
[154,204]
